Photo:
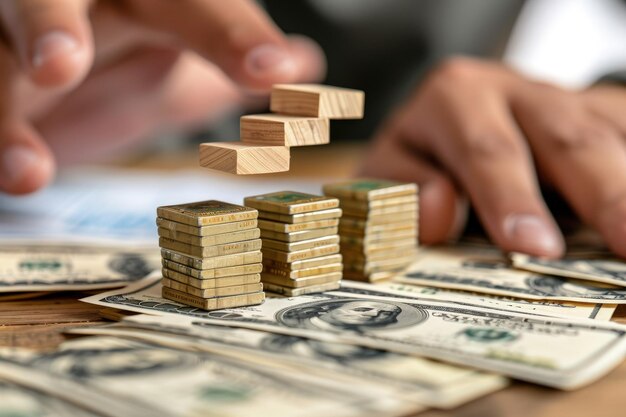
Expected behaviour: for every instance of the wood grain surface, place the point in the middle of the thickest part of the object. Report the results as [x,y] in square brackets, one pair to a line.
[281,130]
[244,159]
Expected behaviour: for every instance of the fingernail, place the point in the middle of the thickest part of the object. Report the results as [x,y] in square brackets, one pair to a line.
[531,234]
[51,45]
[268,58]
[17,161]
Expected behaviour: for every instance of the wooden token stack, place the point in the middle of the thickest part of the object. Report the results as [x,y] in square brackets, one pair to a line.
[211,254]
[301,114]
[300,242]
[378,227]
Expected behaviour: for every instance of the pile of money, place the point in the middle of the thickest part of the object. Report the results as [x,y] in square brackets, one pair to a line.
[300,242]
[211,254]
[378,228]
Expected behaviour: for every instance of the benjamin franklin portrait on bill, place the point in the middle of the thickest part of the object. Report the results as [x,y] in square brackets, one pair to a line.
[349,314]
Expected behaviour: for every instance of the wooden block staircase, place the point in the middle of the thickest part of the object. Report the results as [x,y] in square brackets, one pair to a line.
[301,114]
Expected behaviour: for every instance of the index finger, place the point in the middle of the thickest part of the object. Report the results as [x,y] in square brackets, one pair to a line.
[236,35]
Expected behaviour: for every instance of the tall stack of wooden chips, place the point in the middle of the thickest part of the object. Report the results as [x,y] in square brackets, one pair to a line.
[378,227]
[211,254]
[300,242]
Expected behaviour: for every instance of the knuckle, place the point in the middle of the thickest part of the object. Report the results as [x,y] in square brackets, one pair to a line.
[608,214]
[489,146]
[456,68]
[571,137]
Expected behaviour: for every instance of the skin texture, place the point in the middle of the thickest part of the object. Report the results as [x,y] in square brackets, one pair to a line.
[478,131]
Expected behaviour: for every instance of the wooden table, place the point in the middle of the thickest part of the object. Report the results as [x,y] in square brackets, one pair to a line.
[39,322]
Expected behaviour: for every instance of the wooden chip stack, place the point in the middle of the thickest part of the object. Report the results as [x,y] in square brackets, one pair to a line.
[211,254]
[378,227]
[300,242]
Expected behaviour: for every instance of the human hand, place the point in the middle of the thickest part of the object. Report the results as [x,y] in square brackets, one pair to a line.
[479,129]
[81,79]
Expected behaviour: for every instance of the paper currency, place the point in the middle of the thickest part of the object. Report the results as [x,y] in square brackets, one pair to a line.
[205,213]
[369,189]
[522,346]
[168,382]
[291,202]
[290,291]
[213,303]
[302,217]
[216,229]
[18,400]
[427,382]
[211,240]
[483,269]
[372,252]
[61,267]
[602,312]
[302,245]
[606,268]
[281,227]
[298,236]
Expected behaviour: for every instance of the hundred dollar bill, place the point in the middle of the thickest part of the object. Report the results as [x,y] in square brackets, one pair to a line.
[543,308]
[484,269]
[427,382]
[22,367]
[527,347]
[172,382]
[580,265]
[18,400]
[52,267]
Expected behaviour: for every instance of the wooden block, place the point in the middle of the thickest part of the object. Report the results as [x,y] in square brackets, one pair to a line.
[317,101]
[242,159]
[281,130]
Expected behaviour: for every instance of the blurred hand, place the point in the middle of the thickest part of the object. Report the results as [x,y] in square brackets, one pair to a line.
[81,79]
[479,129]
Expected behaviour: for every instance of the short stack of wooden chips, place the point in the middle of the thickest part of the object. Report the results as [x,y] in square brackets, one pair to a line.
[211,254]
[300,242]
[378,227]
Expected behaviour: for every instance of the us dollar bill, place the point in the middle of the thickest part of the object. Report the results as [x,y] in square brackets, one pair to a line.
[59,267]
[484,269]
[583,265]
[169,382]
[527,347]
[18,400]
[535,307]
[426,382]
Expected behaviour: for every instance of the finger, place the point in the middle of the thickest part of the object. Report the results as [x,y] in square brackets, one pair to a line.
[474,136]
[115,107]
[52,38]
[236,35]
[583,156]
[608,102]
[125,103]
[26,163]
[442,211]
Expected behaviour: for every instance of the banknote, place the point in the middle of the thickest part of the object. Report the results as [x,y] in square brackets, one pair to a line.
[527,347]
[484,269]
[170,382]
[104,204]
[18,400]
[538,307]
[598,267]
[430,383]
[56,267]
[30,371]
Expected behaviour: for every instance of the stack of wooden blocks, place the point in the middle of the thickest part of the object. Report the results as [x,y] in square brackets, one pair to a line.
[300,117]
